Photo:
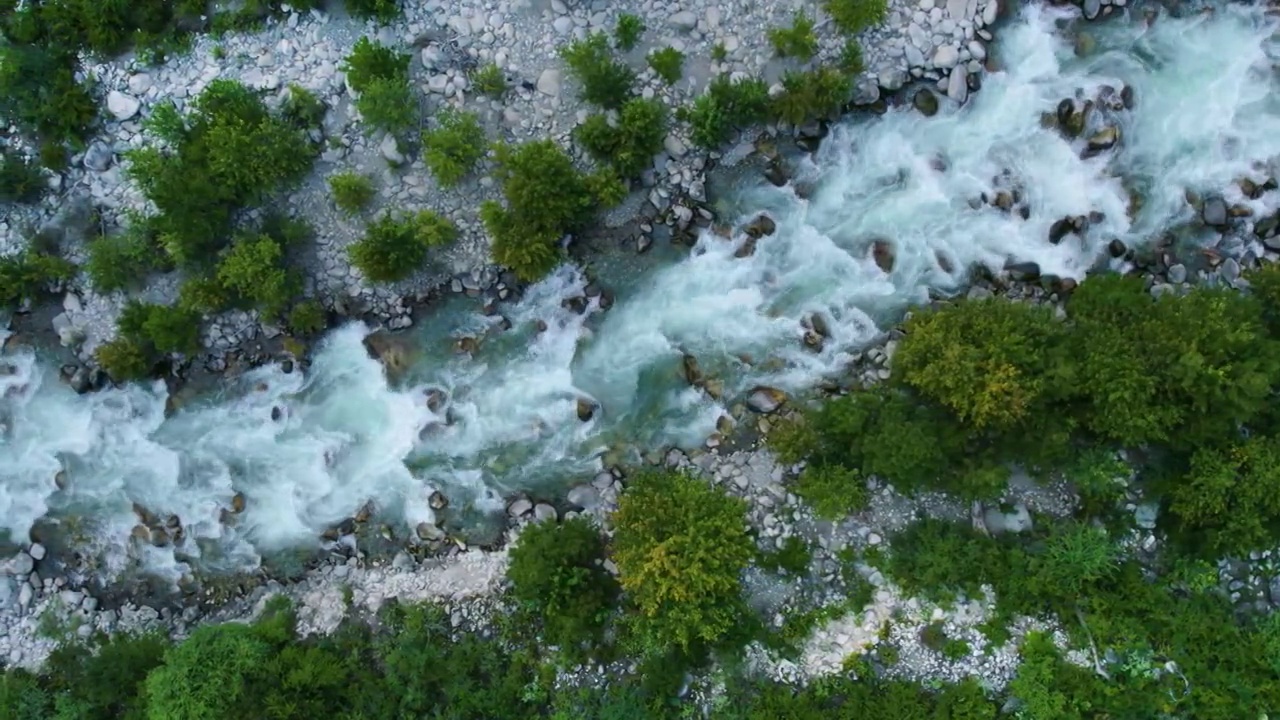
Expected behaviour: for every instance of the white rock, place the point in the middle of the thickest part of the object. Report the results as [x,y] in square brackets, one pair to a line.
[549,82]
[391,150]
[977,50]
[139,84]
[990,12]
[946,57]
[544,512]
[958,84]
[713,17]
[674,146]
[25,595]
[563,25]
[683,20]
[18,565]
[71,303]
[37,551]
[122,106]
[437,83]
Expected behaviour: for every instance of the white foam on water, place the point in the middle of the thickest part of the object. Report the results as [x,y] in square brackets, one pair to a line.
[1203,118]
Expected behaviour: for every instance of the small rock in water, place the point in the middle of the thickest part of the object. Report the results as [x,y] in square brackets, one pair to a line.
[1102,140]
[1177,273]
[1023,271]
[882,253]
[1214,212]
[1092,8]
[36,551]
[519,507]
[765,400]
[958,84]
[926,102]
[586,409]
[543,512]
[1116,248]
[237,503]
[761,226]
[429,532]
[585,496]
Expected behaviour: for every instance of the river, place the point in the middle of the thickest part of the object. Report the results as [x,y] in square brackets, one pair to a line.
[305,451]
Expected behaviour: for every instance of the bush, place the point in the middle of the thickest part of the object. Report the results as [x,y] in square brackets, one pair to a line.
[393,248]
[124,359]
[555,572]
[628,31]
[351,191]
[302,109]
[39,94]
[680,546]
[307,318]
[105,676]
[124,260]
[1229,501]
[938,559]
[388,104]
[370,60]
[254,271]
[605,80]
[833,491]
[630,144]
[854,16]
[20,180]
[489,80]
[383,11]
[546,198]
[1075,558]
[811,95]
[797,41]
[206,677]
[726,106]
[454,147]
[668,63]
[31,274]
[229,152]
[851,58]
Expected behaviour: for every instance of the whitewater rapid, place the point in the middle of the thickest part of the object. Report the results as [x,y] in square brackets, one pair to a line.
[297,454]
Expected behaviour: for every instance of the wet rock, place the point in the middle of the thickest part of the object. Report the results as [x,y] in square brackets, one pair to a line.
[777,174]
[819,324]
[1003,200]
[813,341]
[519,507]
[1092,8]
[1116,248]
[1250,189]
[428,532]
[437,500]
[1060,229]
[1126,97]
[765,400]
[925,102]
[586,409]
[19,565]
[1214,212]
[60,480]
[691,370]
[882,253]
[543,512]
[584,497]
[1023,271]
[747,248]
[761,226]
[286,367]
[393,351]
[436,398]
[1101,141]
[576,304]
[467,345]
[237,503]
[1085,44]
[1177,273]
[276,413]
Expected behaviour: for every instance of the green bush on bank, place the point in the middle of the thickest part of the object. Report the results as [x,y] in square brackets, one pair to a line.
[123,260]
[630,143]
[811,95]
[668,63]
[606,81]
[546,197]
[726,107]
[854,16]
[394,247]
[380,75]
[453,148]
[796,41]
[31,274]
[351,191]
[20,180]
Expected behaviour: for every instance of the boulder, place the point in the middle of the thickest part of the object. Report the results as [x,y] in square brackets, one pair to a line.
[390,150]
[585,497]
[428,532]
[121,106]
[1101,141]
[98,157]
[691,370]
[1015,521]
[958,84]
[543,512]
[1023,271]
[437,500]
[926,102]
[882,253]
[393,351]
[586,409]
[765,400]
[519,507]
[237,503]
[1214,212]
[19,565]
[1116,248]
[761,226]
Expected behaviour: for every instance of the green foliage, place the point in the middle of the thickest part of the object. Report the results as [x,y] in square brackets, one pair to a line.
[124,359]
[229,153]
[31,274]
[811,95]
[22,697]
[489,80]
[940,559]
[454,147]
[606,81]
[680,546]
[105,676]
[546,197]
[851,58]
[726,106]
[20,180]
[555,572]
[307,318]
[628,31]
[388,104]
[833,491]
[166,329]
[39,93]
[383,11]
[1075,559]
[797,41]
[854,16]
[123,260]
[1230,498]
[719,53]
[630,143]
[253,270]
[668,63]
[302,108]
[351,191]
[793,556]
[393,248]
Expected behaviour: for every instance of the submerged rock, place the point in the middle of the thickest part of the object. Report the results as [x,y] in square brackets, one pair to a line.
[691,370]
[882,253]
[765,400]
[761,226]
[926,102]
[1101,141]
[428,532]
[393,351]
[237,503]
[1214,212]
[586,409]
[1023,271]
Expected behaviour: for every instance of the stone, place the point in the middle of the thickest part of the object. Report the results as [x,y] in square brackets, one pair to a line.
[946,57]
[674,146]
[926,102]
[1091,9]
[1015,521]
[958,84]
[98,157]
[36,551]
[586,409]
[1214,212]
[549,82]
[390,150]
[18,565]
[1177,273]
[437,500]
[237,503]
[1116,248]
[429,532]
[140,83]
[1103,140]
[1145,515]
[977,50]
[585,497]
[759,227]
[683,20]
[1023,271]
[765,400]
[563,25]
[882,253]
[543,512]
[519,507]
[121,106]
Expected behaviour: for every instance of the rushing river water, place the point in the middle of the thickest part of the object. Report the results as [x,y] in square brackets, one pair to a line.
[305,452]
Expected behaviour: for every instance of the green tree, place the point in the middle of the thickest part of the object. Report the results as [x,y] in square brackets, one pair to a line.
[393,248]
[726,106]
[370,60]
[668,63]
[555,571]
[681,546]
[207,676]
[351,191]
[1230,497]
[797,41]
[254,270]
[811,95]
[630,143]
[606,81]
[453,148]
[854,16]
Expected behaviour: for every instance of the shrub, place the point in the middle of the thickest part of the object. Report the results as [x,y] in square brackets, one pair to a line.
[725,107]
[454,147]
[489,80]
[1229,500]
[39,93]
[628,31]
[124,359]
[797,41]
[851,62]
[307,318]
[555,572]
[204,293]
[171,329]
[302,109]
[229,152]
[668,63]
[105,675]
[546,197]
[30,274]
[370,60]
[206,677]
[381,10]
[854,16]
[605,80]
[630,144]
[20,180]
[123,260]
[393,248]
[833,491]
[254,271]
[811,95]
[351,191]
[388,104]
[1075,557]
[719,53]
[680,546]
[938,559]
